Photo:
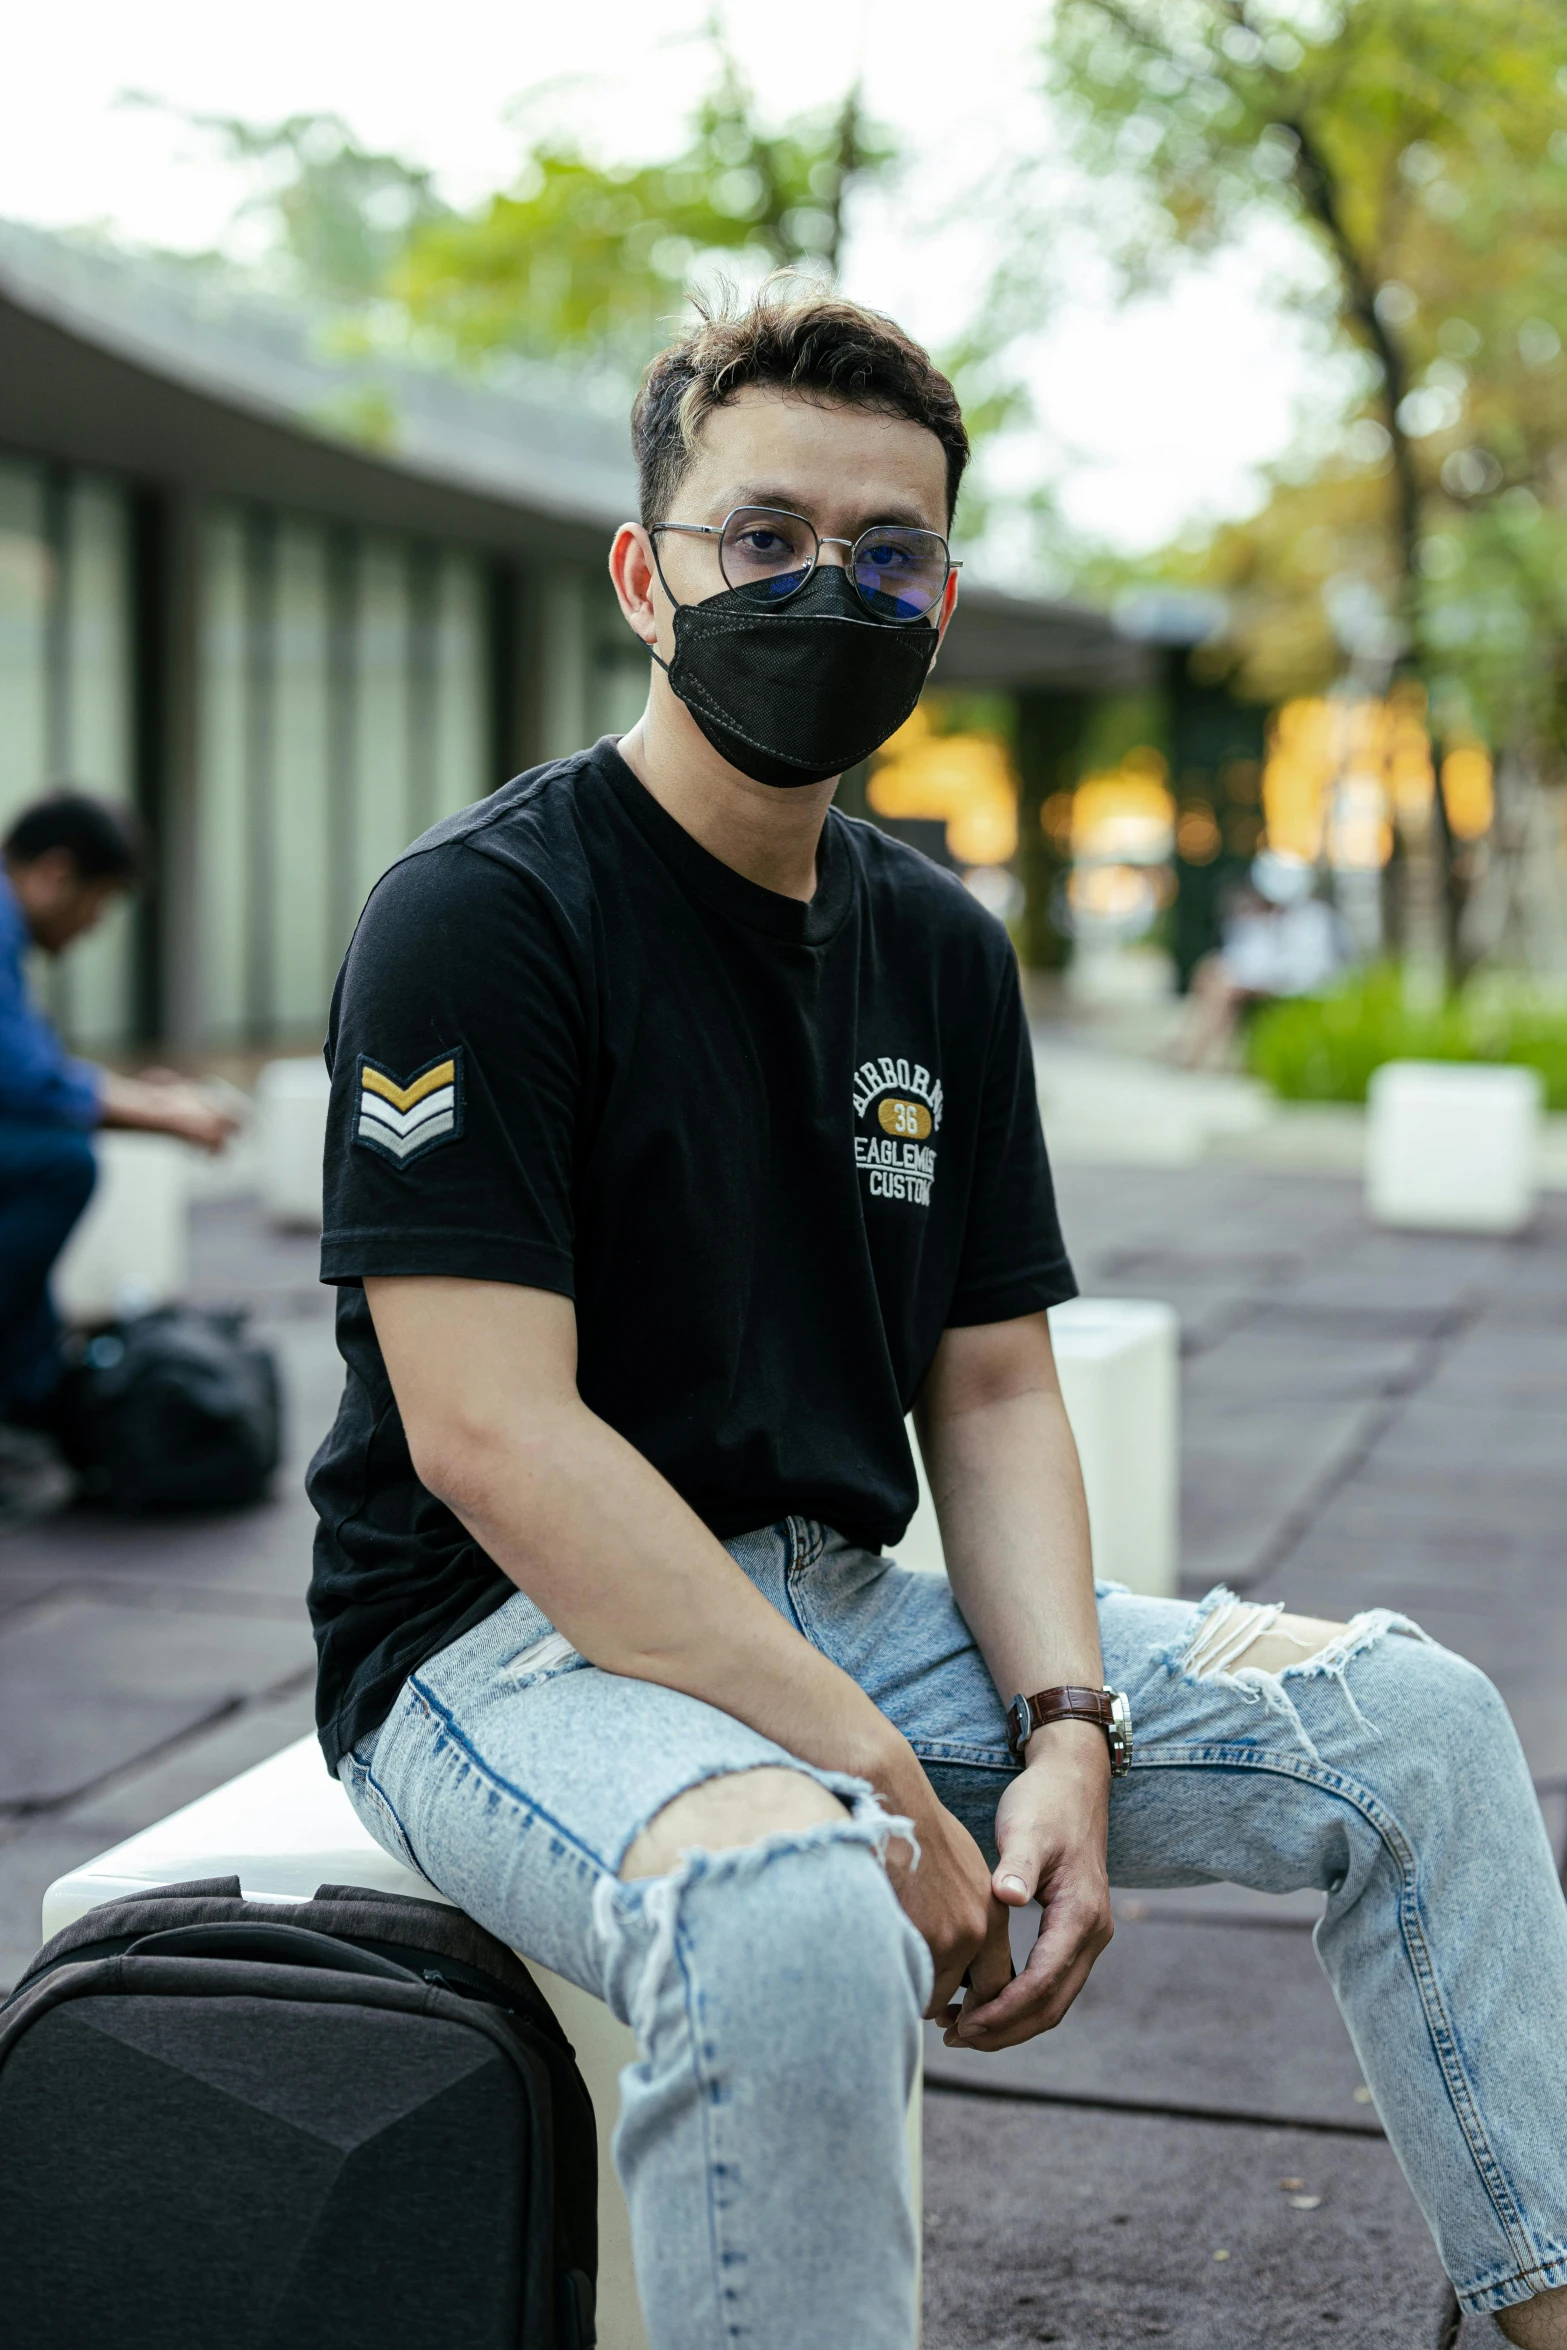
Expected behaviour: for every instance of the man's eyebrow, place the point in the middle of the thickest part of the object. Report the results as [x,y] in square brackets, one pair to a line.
[760,494]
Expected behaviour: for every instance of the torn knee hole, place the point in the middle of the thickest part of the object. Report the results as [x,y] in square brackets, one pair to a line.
[1270,1659]
[726,1813]
[1242,1635]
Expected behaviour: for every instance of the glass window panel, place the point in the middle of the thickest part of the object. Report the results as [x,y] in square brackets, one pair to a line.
[302,962]
[383,823]
[618,693]
[98,634]
[26,577]
[462,687]
[344,567]
[261,712]
[220,805]
[424,618]
[96,992]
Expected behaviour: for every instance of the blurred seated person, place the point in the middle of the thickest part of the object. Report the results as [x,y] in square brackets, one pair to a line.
[1278,939]
[66,860]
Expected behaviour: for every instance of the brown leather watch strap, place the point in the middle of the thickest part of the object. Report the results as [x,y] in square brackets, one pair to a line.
[1105,1708]
[1067,1705]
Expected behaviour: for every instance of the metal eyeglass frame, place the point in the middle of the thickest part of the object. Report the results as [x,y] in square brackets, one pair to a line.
[716,530]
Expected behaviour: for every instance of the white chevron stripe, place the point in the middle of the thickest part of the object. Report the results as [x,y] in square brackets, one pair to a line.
[372,1105]
[401,1144]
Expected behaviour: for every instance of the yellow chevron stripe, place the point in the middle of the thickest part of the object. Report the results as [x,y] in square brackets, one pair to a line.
[403,1097]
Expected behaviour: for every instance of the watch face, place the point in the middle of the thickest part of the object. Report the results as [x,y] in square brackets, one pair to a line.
[1017,1726]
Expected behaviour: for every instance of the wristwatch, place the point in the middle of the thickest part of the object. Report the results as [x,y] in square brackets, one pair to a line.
[1107,1707]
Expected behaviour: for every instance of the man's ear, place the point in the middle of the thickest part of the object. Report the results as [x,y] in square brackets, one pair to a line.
[634,574]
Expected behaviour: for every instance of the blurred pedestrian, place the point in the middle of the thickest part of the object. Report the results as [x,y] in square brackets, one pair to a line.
[67,859]
[1279,939]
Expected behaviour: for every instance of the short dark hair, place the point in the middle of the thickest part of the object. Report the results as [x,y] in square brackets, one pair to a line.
[102,841]
[790,337]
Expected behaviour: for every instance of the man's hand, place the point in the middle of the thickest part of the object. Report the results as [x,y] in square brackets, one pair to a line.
[949,1898]
[1051,1830]
[161,1102]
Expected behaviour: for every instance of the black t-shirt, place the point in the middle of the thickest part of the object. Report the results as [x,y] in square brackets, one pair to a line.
[771,1149]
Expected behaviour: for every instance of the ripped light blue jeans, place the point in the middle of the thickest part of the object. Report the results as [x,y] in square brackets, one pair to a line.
[776,1992]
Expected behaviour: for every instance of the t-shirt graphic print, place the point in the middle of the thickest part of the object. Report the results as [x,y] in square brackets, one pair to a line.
[897,1109]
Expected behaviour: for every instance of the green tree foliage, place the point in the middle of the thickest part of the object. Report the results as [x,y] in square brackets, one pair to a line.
[587,260]
[1423,146]
[340,215]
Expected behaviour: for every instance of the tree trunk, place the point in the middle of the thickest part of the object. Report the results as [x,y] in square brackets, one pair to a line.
[1049,738]
[1422,898]
[1422,909]
[1517,916]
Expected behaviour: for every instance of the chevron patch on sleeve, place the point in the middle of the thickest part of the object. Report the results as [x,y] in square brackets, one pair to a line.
[403,1119]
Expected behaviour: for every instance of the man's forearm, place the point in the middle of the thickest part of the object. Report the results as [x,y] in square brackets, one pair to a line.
[1009,1494]
[129,1102]
[593,1534]
[603,1543]
[151,1105]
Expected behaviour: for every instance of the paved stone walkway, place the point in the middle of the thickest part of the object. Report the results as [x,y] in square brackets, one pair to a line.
[1367,1418]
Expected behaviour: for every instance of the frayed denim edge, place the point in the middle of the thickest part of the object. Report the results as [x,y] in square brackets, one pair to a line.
[1266,1686]
[657,1899]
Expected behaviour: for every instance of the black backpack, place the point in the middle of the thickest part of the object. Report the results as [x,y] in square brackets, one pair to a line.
[171,1410]
[349,2123]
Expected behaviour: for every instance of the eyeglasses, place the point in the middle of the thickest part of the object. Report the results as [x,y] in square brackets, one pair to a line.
[897,572]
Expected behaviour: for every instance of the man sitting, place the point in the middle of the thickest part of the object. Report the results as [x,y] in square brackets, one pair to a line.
[683,1138]
[66,860]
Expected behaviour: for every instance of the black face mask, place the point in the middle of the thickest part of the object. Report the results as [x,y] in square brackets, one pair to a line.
[795,693]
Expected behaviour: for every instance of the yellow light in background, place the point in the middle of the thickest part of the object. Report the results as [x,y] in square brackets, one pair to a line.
[1055,821]
[1360,838]
[1114,893]
[1126,816]
[1295,778]
[1339,772]
[1467,791]
[964,781]
[1197,836]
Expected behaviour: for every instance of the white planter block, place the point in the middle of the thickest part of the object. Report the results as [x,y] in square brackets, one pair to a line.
[1453,1147]
[286,1827]
[1120,1378]
[131,1249]
[291,1105]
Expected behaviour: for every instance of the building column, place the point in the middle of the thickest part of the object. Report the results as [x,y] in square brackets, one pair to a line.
[564,662]
[166,604]
[541,665]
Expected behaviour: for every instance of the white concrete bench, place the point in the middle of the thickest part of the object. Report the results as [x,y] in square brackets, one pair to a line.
[131,1249]
[283,1829]
[291,1107]
[1118,1358]
[1453,1146]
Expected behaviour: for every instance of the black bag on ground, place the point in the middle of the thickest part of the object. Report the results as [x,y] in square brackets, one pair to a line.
[349,2123]
[171,1410]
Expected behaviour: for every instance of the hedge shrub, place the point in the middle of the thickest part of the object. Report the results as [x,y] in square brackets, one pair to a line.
[1324,1048]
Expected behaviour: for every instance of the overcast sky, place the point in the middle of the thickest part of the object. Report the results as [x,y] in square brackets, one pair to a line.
[1153,416]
